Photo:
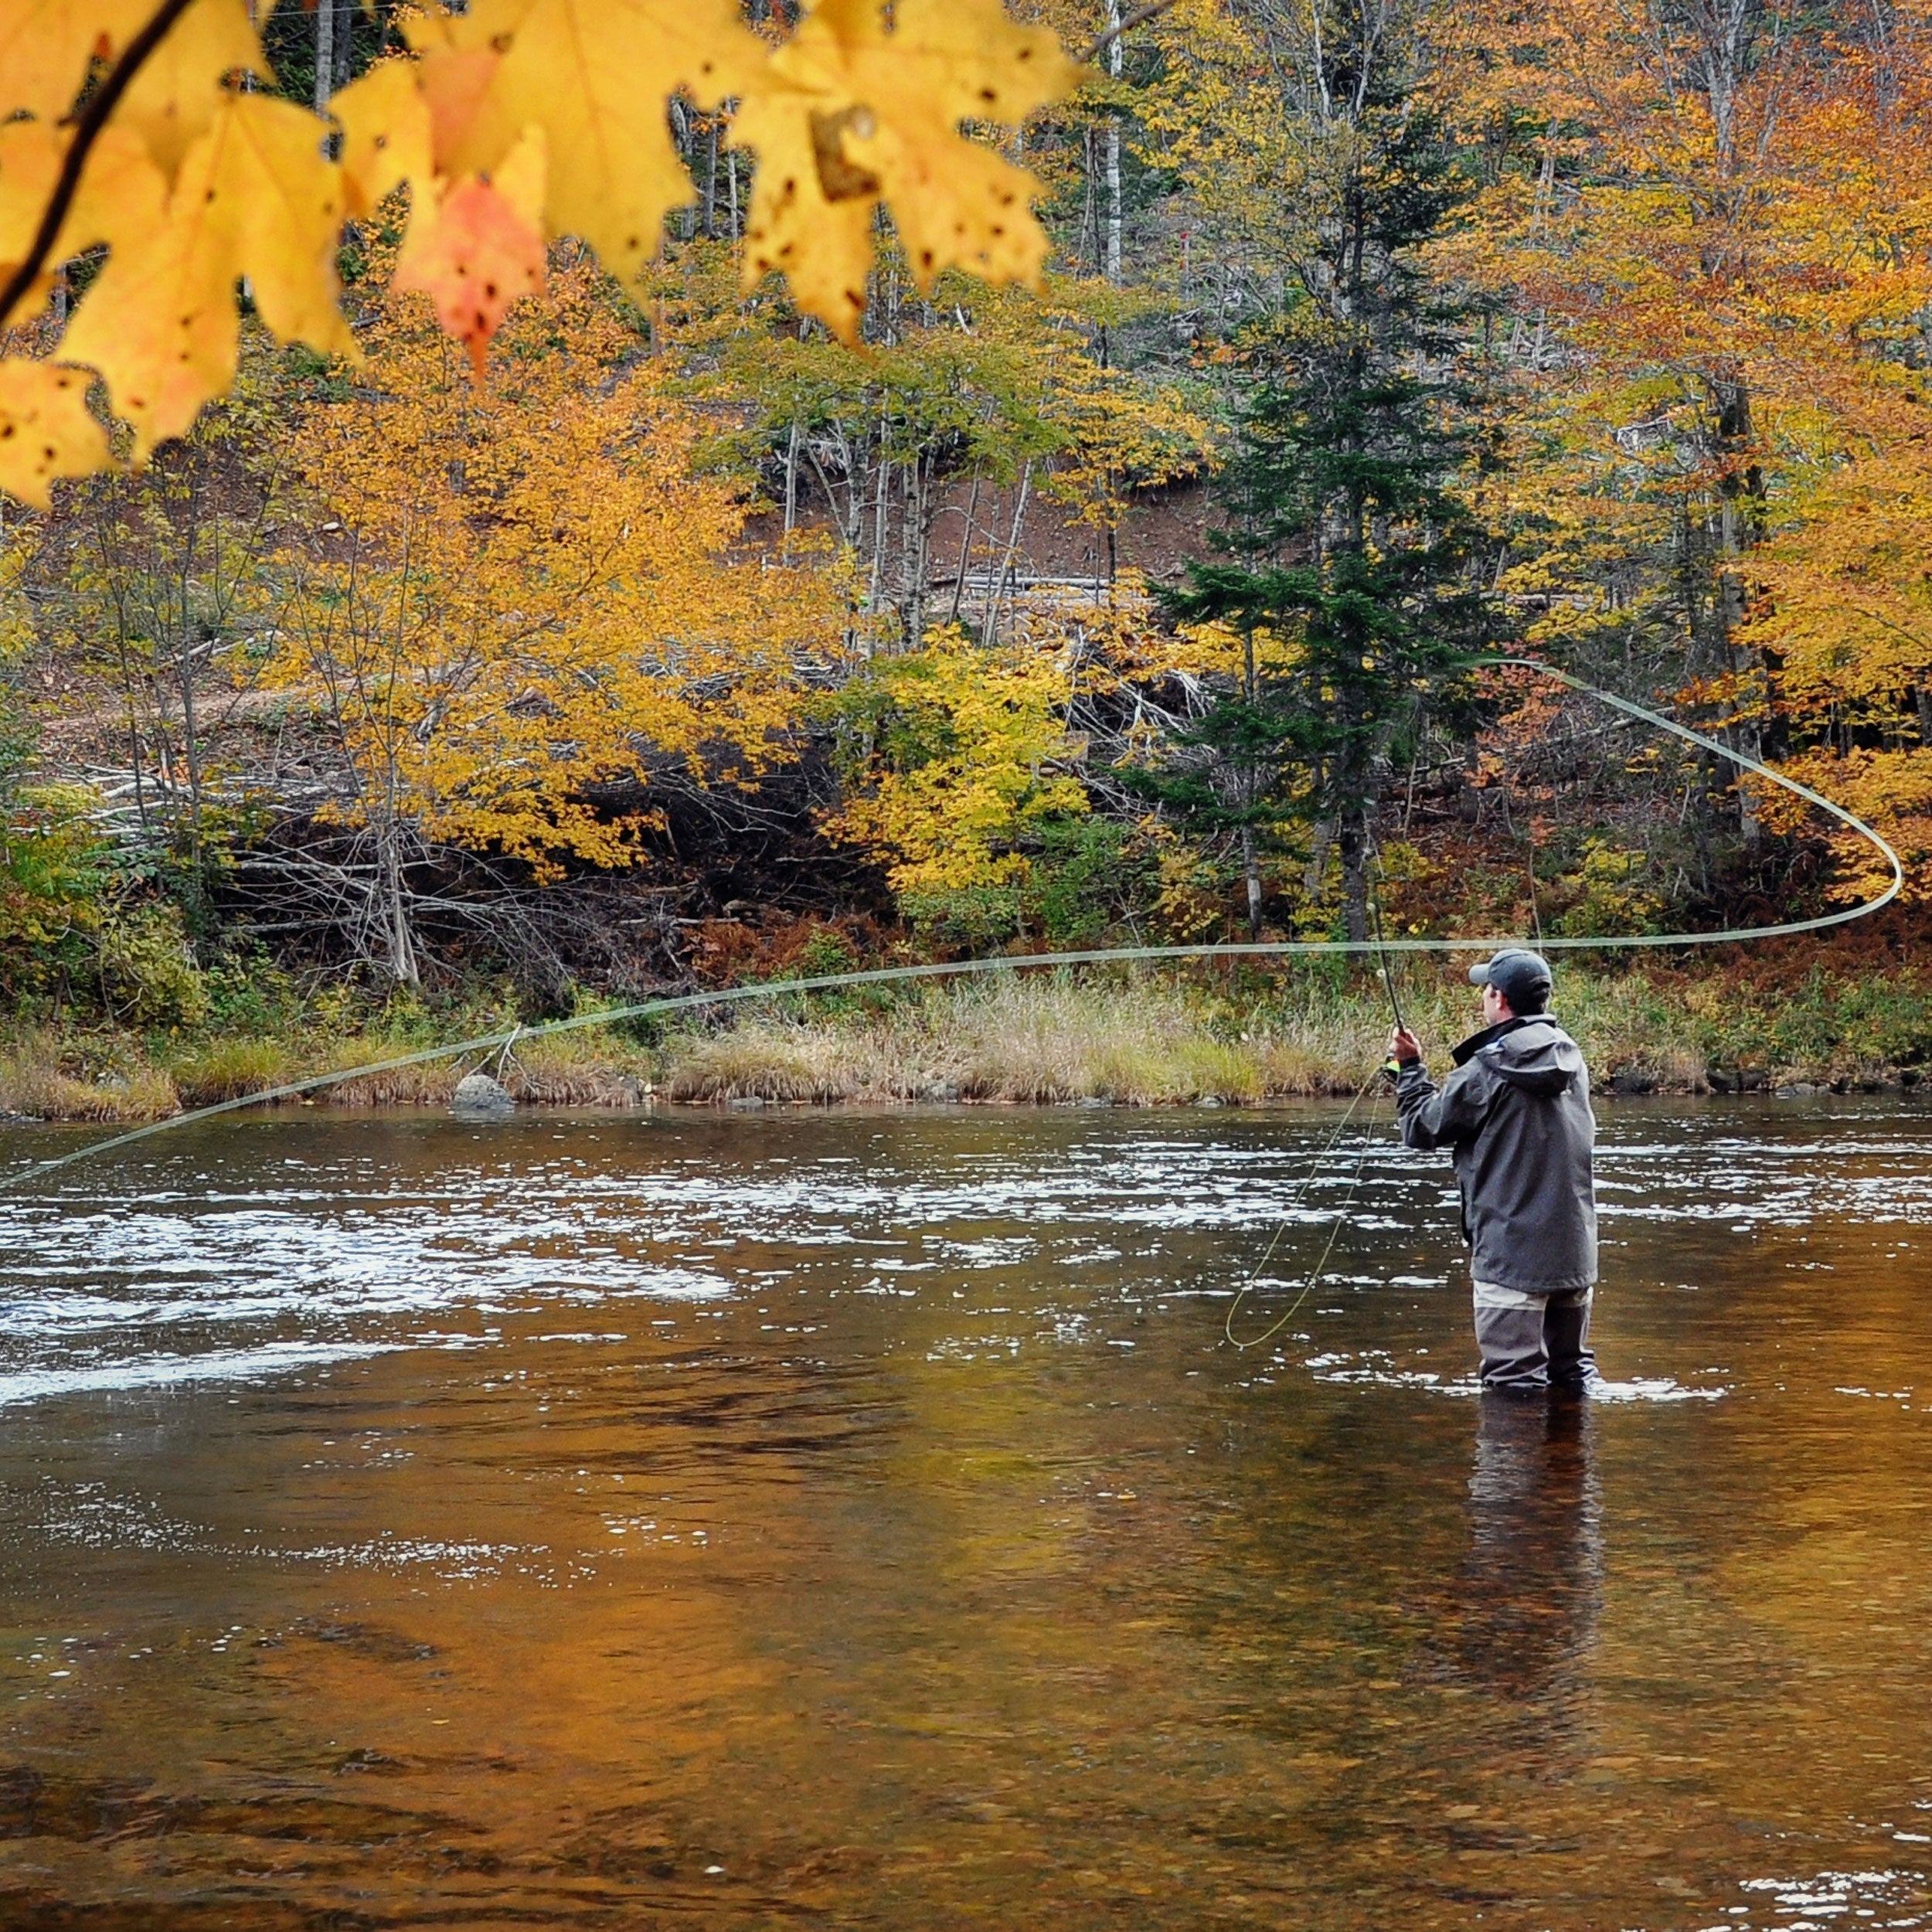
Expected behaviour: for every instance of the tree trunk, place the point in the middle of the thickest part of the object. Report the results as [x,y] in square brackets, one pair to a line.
[1354,838]
[1115,213]
[874,594]
[185,671]
[966,556]
[324,54]
[398,941]
[992,628]
[134,730]
[912,550]
[1740,528]
[1251,872]
[1089,203]
[681,138]
[1318,856]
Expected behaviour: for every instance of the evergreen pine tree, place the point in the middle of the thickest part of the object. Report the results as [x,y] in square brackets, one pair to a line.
[1354,568]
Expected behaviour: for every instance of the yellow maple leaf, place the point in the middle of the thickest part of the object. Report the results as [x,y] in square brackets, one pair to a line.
[386,134]
[852,114]
[120,196]
[482,23]
[30,153]
[454,81]
[174,99]
[474,246]
[254,198]
[594,75]
[46,46]
[821,241]
[457,55]
[45,429]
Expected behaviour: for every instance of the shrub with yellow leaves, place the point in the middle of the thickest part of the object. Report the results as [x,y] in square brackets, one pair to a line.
[497,599]
[956,751]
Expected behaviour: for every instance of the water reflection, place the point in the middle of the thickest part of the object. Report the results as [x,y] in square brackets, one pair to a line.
[1529,1589]
[719,1522]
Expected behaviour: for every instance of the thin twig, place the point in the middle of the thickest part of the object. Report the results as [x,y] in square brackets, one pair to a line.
[93,117]
[1139,17]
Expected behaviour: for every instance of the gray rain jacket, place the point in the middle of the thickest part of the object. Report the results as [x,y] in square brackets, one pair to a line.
[1515,1115]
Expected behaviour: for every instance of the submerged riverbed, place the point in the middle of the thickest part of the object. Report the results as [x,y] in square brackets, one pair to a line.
[859,1519]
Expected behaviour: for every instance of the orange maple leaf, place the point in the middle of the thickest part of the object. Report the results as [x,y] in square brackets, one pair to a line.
[851,112]
[474,248]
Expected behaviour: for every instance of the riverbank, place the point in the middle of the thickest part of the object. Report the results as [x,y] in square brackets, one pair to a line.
[1129,1037]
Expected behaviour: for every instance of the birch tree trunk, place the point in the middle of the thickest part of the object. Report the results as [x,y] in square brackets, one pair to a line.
[1112,269]
[1251,871]
[399,940]
[966,560]
[325,53]
[1012,549]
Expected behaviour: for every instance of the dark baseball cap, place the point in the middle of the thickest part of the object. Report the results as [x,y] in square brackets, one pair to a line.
[1513,971]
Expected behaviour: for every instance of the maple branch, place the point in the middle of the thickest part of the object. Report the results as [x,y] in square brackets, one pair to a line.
[93,117]
[1139,17]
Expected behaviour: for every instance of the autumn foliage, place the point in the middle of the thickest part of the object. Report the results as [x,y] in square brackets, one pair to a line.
[498,599]
[679,463]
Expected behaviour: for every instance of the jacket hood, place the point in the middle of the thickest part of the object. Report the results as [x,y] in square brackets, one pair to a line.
[1533,1053]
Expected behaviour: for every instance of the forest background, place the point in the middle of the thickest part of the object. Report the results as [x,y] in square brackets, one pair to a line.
[691,644]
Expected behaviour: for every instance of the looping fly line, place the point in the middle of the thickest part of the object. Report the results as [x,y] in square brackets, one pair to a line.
[1103,956]
[1337,1223]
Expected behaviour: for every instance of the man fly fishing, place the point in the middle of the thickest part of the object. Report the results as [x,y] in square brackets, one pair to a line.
[1515,1114]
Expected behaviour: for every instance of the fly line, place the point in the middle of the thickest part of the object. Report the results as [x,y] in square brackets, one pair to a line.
[1378,946]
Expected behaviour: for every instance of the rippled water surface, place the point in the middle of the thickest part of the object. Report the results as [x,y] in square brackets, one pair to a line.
[859,1519]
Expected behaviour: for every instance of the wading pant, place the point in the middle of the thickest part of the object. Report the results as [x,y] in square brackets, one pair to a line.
[1534,1341]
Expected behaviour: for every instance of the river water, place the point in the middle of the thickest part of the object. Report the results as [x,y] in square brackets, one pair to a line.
[696,1520]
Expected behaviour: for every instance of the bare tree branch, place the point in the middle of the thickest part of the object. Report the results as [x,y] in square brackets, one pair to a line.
[93,117]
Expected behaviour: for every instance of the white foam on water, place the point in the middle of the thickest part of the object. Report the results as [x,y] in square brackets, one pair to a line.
[1375,1367]
[172,1371]
[1654,1388]
[452,1561]
[1827,1898]
[207,1281]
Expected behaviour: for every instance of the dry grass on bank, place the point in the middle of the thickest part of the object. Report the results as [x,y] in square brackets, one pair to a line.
[589,1067]
[1142,1043]
[225,1070]
[35,1080]
[1016,1039]
[768,1059]
[229,1069]
[1129,1036]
